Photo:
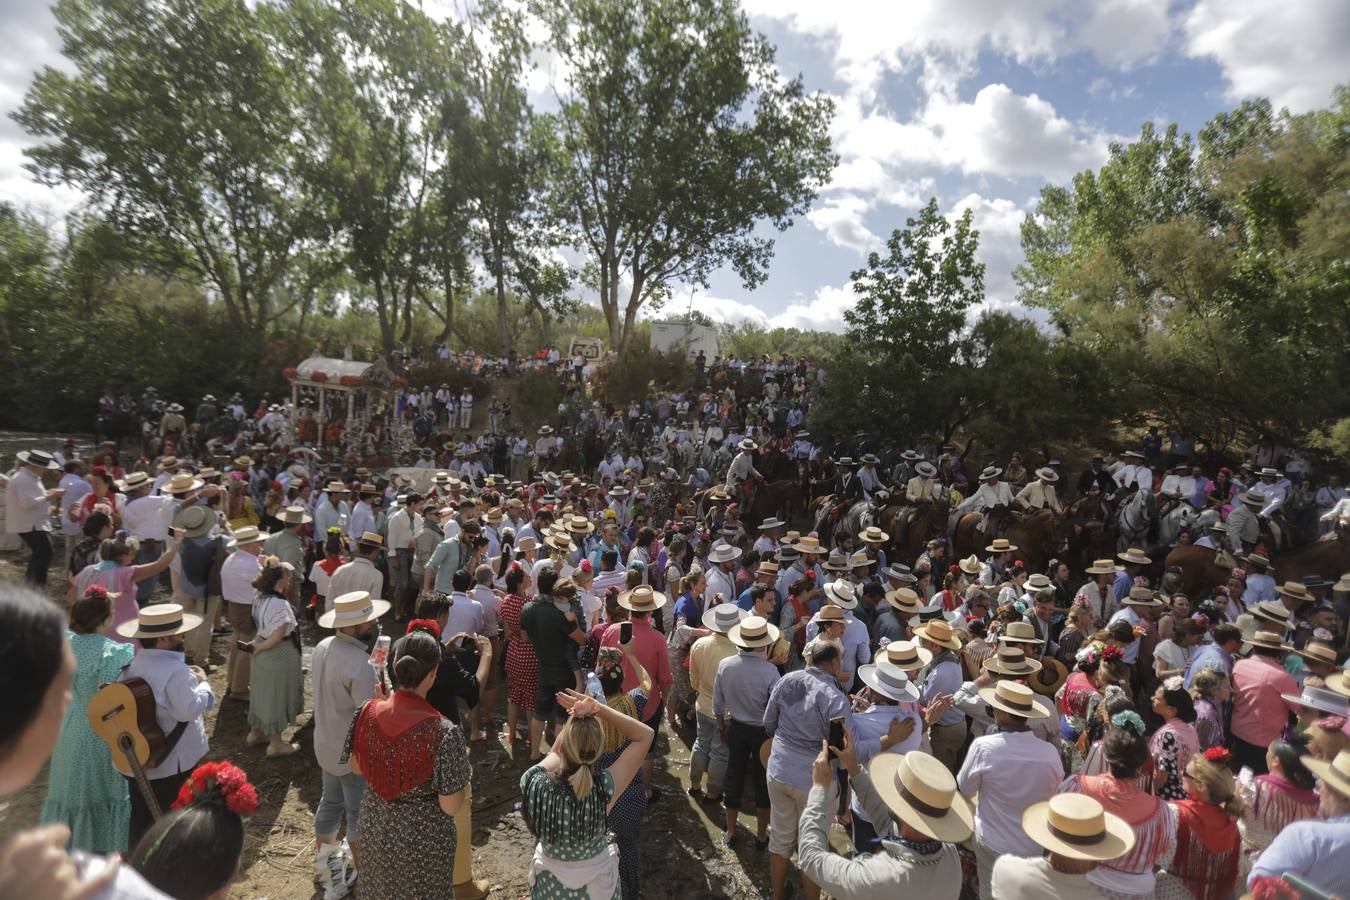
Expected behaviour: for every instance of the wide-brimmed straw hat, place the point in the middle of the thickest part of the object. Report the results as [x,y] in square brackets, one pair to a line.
[1013,698]
[167,462]
[354,608]
[1141,596]
[295,515]
[753,631]
[724,552]
[194,521]
[1036,582]
[1019,633]
[831,613]
[1334,774]
[1047,474]
[770,523]
[1318,652]
[835,562]
[970,565]
[904,600]
[249,534]
[1271,611]
[939,631]
[926,469]
[1254,498]
[560,542]
[747,444]
[766,567]
[1001,545]
[1135,556]
[1012,661]
[580,525]
[990,472]
[39,458]
[722,617]
[873,535]
[1076,826]
[370,539]
[808,544]
[1267,639]
[841,593]
[133,481]
[1294,590]
[890,681]
[1322,699]
[1339,682]
[920,791]
[182,484]
[159,620]
[906,655]
[1050,678]
[642,599]
[1101,567]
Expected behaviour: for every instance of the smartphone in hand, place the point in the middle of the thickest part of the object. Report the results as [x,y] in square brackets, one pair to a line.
[625,632]
[243,646]
[836,739]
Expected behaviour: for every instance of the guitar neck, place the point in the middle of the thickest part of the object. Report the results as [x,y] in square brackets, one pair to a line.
[138,773]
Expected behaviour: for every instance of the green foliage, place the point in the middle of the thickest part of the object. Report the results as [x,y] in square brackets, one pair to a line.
[537,396]
[676,139]
[636,374]
[747,340]
[1333,440]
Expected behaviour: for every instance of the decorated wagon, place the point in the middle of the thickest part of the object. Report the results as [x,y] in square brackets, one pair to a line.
[347,408]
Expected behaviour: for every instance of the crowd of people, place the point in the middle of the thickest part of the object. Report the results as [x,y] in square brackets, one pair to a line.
[974,725]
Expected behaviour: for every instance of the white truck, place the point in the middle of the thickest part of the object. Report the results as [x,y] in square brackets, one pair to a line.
[686,337]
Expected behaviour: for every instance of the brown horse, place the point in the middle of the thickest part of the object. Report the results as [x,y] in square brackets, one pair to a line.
[1199,573]
[1327,557]
[1039,536]
[911,526]
[777,498]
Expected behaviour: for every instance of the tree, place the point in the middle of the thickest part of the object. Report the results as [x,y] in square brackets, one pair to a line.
[677,139]
[903,349]
[177,123]
[371,78]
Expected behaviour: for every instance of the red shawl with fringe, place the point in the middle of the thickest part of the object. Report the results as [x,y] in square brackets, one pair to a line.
[1208,849]
[396,742]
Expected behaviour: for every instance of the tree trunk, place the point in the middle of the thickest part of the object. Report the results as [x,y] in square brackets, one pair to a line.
[630,312]
[609,299]
[503,327]
[387,321]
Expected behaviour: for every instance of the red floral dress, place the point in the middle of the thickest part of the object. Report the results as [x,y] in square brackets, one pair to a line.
[522,667]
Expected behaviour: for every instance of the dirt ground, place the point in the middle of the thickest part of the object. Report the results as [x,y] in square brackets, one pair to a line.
[681,856]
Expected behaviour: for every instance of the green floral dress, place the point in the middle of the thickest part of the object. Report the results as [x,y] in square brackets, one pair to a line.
[569,829]
[83,789]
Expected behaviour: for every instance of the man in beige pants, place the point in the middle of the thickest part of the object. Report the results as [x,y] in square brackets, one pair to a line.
[236,584]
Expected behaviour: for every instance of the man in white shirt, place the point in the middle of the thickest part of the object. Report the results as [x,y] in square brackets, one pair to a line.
[867,475]
[403,527]
[1134,473]
[182,696]
[236,587]
[465,408]
[360,574]
[720,576]
[1040,494]
[1009,771]
[992,494]
[75,487]
[331,511]
[146,517]
[362,519]
[28,512]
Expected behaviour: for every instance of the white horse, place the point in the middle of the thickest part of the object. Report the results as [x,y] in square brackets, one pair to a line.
[1182,515]
[1133,519]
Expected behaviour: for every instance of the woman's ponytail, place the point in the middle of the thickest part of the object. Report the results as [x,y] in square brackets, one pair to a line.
[581,781]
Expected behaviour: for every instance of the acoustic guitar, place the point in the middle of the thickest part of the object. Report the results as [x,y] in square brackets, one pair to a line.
[122,713]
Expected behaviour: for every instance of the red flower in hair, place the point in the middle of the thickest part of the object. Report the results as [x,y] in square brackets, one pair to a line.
[219,781]
[1218,755]
[1268,887]
[427,625]
[952,570]
[96,590]
[586,566]
[1112,652]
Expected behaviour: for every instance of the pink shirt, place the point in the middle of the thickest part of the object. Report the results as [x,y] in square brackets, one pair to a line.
[649,646]
[1259,712]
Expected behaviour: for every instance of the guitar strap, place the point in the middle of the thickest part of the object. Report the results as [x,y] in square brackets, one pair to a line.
[170,741]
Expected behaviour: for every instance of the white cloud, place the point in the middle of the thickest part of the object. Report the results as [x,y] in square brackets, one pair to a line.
[1292,52]
[1124,33]
[823,312]
[841,218]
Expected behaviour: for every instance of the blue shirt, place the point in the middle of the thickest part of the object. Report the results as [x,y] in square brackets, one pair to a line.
[1259,587]
[445,561]
[798,717]
[942,676]
[742,686]
[856,640]
[1313,850]
[691,608]
[1209,656]
[1120,588]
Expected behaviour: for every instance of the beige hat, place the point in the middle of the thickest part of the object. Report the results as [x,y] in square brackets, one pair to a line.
[159,620]
[1272,611]
[336,487]
[245,536]
[841,593]
[904,600]
[194,521]
[1101,567]
[1267,639]
[831,613]
[1135,556]
[907,655]
[860,560]
[1141,596]
[939,631]
[752,632]
[1334,774]
[721,617]
[1001,545]
[370,539]
[528,542]
[1318,652]
[1294,590]
[1036,582]
[970,565]
[642,599]
[580,525]
[1011,661]
[354,608]
[873,535]
[295,515]
[921,792]
[560,542]
[133,481]
[724,552]
[809,544]
[1339,682]
[1019,633]
[167,463]
[182,484]
[1076,826]
[1013,698]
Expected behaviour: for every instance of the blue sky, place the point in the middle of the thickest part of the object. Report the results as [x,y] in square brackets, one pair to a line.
[976,102]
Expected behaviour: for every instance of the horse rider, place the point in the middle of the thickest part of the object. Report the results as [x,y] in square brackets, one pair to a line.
[1096,475]
[993,498]
[1275,487]
[868,478]
[1040,494]
[1244,528]
[923,487]
[903,470]
[742,474]
[1177,486]
[1135,472]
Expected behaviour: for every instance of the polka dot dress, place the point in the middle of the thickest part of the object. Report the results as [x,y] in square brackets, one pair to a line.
[569,829]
